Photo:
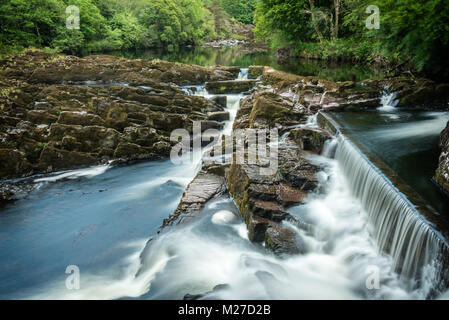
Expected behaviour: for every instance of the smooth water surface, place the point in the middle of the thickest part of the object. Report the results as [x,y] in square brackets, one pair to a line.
[239,56]
[408,142]
[91,218]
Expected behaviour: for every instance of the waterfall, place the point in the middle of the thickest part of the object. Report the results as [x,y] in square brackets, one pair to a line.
[389,101]
[243,75]
[396,225]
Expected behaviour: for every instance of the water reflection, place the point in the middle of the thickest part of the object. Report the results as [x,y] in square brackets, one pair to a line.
[240,56]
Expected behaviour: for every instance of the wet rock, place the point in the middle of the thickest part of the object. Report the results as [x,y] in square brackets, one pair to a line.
[41,117]
[80,118]
[442,91]
[282,240]
[211,124]
[70,143]
[218,116]
[202,188]
[272,77]
[208,295]
[142,136]
[255,72]
[223,87]
[13,163]
[132,151]
[442,172]
[419,93]
[11,190]
[220,100]
[6,196]
[288,195]
[85,107]
[162,148]
[264,200]
[270,109]
[89,137]
[257,227]
[108,69]
[53,158]
[310,139]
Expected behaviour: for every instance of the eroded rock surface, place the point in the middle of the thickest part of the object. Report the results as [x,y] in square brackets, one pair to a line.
[61,112]
[203,187]
[262,199]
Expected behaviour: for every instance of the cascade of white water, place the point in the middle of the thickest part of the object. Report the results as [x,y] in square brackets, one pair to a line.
[243,75]
[389,101]
[398,228]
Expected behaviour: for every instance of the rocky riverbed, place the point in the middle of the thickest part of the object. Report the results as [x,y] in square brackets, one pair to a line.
[64,112]
[286,102]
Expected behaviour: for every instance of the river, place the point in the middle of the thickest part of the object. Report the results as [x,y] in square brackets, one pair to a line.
[102,218]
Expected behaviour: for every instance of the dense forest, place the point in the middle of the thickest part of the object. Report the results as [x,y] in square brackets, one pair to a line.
[410,33]
[118,24]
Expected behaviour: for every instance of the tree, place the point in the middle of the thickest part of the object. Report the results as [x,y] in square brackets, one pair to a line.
[241,10]
[30,22]
[417,31]
[176,22]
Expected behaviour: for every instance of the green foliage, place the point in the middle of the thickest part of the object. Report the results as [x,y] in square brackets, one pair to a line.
[417,30]
[107,24]
[176,22]
[29,22]
[241,10]
[288,17]
[411,32]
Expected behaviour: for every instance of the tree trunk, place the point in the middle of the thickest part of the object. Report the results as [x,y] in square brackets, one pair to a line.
[337,4]
[312,11]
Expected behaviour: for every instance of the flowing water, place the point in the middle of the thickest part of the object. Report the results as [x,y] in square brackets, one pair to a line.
[407,141]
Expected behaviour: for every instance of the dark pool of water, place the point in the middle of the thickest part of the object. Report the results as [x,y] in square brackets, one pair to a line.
[408,142]
[238,56]
[91,221]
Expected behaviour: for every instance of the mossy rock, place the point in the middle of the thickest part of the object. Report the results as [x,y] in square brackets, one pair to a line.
[270,109]
[53,158]
[13,163]
[255,72]
[80,118]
